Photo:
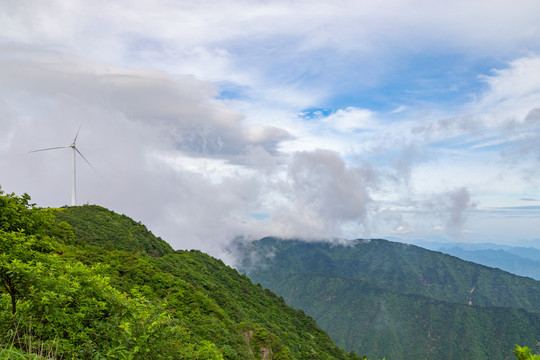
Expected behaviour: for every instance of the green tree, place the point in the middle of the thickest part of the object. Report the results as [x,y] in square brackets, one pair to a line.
[19,214]
[19,263]
[75,306]
[524,353]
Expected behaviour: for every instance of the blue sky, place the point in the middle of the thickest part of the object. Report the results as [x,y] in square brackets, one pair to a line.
[209,120]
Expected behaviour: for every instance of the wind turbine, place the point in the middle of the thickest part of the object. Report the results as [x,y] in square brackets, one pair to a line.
[73,178]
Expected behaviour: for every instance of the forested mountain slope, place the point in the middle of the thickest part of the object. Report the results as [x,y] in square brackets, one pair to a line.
[86,283]
[400,301]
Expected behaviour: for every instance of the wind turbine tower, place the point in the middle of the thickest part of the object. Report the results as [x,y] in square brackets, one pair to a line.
[73,167]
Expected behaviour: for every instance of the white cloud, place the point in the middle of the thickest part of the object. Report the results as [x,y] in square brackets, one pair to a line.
[240,42]
[403,230]
[513,91]
[189,111]
[351,119]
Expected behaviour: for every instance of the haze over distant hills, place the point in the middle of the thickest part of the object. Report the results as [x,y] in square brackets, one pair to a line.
[520,260]
[383,298]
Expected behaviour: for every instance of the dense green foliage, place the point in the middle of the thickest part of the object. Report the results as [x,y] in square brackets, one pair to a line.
[389,299]
[524,353]
[86,283]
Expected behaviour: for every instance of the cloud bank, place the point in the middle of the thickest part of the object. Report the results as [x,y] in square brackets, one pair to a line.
[210,121]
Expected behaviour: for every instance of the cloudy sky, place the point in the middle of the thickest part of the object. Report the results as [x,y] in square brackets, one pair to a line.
[208,120]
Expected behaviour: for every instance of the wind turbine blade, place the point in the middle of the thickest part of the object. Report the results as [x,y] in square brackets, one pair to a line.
[88,162]
[52,148]
[76,135]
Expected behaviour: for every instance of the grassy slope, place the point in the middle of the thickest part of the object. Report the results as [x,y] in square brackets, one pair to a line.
[399,301]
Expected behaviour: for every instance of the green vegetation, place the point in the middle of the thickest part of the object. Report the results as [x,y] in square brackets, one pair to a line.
[86,283]
[524,353]
[389,299]
[114,231]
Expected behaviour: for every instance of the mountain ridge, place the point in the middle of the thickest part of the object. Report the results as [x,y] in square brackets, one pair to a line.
[404,299]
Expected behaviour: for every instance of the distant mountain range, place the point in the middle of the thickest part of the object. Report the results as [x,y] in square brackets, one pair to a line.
[382,298]
[523,261]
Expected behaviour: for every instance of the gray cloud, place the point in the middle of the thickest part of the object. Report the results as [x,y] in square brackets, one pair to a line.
[407,159]
[533,116]
[523,151]
[530,144]
[325,193]
[183,108]
[459,203]
[199,164]
[137,126]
